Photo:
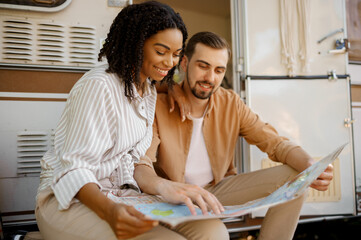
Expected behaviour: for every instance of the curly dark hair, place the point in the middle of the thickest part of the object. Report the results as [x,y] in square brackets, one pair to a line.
[124,44]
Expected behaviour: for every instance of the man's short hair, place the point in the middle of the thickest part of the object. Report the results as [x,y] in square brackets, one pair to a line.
[209,39]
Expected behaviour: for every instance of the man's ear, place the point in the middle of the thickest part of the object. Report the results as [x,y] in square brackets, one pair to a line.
[184,63]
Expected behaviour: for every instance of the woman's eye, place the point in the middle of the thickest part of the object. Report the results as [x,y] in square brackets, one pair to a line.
[160,53]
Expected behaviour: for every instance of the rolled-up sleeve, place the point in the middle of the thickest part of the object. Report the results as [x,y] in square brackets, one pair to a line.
[267,139]
[87,136]
[263,135]
[68,185]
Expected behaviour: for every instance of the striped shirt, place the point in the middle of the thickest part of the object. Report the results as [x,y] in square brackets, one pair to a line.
[101,134]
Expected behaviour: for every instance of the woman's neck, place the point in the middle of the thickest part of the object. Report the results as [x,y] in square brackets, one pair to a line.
[141,87]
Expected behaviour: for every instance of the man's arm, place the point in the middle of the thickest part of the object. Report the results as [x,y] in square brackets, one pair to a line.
[173,192]
[175,94]
[176,193]
[298,159]
[278,148]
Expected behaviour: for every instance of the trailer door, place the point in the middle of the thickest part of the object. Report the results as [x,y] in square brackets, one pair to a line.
[290,66]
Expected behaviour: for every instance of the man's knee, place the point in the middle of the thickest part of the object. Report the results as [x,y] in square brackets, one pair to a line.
[283,173]
[215,229]
[160,233]
[212,229]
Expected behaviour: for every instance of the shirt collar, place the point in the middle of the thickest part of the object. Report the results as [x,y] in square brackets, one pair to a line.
[147,90]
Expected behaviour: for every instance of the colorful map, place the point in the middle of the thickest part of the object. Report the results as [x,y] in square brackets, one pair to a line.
[156,208]
[162,209]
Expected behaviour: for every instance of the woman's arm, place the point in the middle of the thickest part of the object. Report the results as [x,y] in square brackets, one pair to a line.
[125,221]
[176,94]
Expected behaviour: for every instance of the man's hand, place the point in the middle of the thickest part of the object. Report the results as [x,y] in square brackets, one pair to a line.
[324,180]
[176,94]
[127,222]
[178,193]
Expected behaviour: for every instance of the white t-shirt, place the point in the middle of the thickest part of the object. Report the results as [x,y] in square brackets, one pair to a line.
[198,167]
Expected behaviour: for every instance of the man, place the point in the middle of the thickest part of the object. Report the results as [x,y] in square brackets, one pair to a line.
[192,161]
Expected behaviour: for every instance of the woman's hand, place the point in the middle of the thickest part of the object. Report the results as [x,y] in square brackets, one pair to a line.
[176,94]
[324,180]
[127,222]
[181,193]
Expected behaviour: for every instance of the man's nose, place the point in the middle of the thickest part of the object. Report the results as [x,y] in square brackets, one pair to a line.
[209,76]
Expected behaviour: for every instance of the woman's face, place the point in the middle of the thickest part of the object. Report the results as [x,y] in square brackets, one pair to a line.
[161,54]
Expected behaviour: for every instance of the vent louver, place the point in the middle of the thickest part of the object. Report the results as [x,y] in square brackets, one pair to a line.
[333,193]
[36,41]
[32,145]
[17,40]
[82,47]
[51,43]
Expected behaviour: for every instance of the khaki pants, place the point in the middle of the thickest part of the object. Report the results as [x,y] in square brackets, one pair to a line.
[280,221]
[79,222]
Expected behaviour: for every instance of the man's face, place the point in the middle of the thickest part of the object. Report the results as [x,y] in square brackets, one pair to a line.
[205,70]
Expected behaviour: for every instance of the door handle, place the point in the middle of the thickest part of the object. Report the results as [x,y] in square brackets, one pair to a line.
[348,121]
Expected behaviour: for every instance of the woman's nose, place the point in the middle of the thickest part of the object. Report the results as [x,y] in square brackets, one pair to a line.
[170,61]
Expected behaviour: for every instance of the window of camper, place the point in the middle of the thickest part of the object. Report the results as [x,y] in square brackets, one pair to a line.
[35,5]
[354,29]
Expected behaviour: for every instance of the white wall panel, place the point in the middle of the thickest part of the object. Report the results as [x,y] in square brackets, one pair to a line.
[310,113]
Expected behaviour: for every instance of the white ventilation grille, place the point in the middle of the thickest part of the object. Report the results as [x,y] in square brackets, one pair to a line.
[51,43]
[82,45]
[41,42]
[333,194]
[31,147]
[17,41]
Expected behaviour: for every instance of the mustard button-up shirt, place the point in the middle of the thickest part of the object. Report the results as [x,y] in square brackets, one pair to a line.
[226,119]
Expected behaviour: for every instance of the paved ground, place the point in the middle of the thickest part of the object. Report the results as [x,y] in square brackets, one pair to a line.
[340,229]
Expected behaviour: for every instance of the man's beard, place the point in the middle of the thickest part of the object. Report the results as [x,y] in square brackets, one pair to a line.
[201,94]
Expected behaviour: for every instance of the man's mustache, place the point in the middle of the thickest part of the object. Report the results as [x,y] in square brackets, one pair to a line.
[206,82]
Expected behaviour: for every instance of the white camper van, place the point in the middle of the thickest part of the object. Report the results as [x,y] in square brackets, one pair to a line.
[46,46]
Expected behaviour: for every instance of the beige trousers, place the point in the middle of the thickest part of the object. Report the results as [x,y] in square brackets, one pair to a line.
[79,222]
[280,221]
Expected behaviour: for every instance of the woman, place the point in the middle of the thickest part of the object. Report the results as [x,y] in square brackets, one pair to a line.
[106,126]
